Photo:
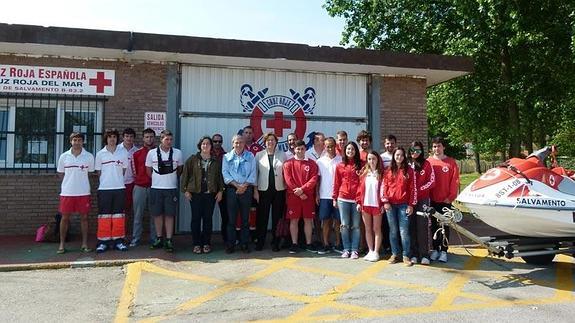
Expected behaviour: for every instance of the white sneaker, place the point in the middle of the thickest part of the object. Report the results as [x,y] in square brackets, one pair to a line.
[368,256]
[425,261]
[372,256]
[414,260]
[434,255]
[443,256]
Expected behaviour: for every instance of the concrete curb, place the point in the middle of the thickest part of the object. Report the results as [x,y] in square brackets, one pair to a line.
[72,264]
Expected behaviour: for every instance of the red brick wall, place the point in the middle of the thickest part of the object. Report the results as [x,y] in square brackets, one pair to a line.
[29,200]
[403,109]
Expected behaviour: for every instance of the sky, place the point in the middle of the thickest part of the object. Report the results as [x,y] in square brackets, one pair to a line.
[288,21]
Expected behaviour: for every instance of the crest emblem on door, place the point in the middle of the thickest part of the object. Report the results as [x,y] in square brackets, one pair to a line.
[280,114]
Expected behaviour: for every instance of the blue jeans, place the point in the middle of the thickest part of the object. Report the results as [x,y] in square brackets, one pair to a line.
[350,221]
[238,203]
[399,221]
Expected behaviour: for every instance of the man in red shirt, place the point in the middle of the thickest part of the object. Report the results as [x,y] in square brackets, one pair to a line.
[341,138]
[291,139]
[301,175]
[217,149]
[364,142]
[142,184]
[443,193]
[251,145]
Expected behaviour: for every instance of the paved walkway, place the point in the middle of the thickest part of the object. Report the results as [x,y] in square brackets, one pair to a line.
[268,286]
[314,288]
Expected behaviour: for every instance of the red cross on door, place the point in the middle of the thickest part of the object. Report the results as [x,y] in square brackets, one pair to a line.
[278,124]
[100,82]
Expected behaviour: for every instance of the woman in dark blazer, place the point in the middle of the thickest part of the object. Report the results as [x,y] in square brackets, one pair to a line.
[203,185]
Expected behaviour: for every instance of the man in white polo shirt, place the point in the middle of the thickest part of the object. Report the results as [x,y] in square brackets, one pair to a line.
[73,168]
[328,214]
[318,149]
[111,163]
[164,164]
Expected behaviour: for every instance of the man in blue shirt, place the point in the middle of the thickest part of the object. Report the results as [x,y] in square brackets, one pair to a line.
[239,172]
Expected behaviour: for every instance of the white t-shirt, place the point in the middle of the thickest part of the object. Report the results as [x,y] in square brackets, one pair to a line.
[386,157]
[166,181]
[111,166]
[313,155]
[326,168]
[75,169]
[371,193]
[129,174]
[289,155]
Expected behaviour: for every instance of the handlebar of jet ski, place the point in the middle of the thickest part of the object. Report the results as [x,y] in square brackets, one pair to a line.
[516,170]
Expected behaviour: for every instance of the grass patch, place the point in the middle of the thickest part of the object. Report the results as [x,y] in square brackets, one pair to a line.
[466,179]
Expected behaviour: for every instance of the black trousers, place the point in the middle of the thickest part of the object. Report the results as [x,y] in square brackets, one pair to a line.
[202,211]
[438,242]
[419,231]
[224,218]
[276,201]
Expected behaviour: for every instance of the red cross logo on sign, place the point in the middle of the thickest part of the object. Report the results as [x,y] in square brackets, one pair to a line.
[278,124]
[258,103]
[100,82]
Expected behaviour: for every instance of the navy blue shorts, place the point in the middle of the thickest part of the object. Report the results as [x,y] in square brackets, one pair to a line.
[327,211]
[163,202]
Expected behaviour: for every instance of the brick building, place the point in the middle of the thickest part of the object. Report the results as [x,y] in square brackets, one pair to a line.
[202,85]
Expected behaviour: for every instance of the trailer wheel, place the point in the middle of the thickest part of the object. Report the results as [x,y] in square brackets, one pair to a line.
[542,260]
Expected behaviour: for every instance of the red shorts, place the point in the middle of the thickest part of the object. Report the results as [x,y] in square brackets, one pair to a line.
[371,210]
[297,208]
[74,204]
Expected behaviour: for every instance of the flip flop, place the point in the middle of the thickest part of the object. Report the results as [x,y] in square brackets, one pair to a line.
[85,249]
[61,251]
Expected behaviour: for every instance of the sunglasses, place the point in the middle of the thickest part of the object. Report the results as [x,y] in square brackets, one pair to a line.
[412,150]
[217,141]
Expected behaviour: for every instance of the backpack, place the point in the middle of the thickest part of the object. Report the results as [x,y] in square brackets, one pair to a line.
[49,232]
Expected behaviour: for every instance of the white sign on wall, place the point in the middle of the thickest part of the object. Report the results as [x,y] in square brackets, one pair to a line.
[155,121]
[56,80]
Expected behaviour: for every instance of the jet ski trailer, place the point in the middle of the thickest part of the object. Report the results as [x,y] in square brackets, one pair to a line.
[533,250]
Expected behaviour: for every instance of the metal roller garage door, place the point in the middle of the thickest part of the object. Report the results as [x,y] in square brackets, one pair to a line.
[224,100]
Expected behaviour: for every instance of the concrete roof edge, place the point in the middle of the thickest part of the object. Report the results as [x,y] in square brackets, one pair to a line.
[134,41]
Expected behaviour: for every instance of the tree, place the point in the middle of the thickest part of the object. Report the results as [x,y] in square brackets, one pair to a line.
[523,55]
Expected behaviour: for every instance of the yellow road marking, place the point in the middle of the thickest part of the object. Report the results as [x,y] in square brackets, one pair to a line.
[133,274]
[453,289]
[444,302]
[181,275]
[564,282]
[391,283]
[223,289]
[329,297]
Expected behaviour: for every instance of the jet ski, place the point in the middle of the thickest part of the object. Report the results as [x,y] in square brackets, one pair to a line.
[523,197]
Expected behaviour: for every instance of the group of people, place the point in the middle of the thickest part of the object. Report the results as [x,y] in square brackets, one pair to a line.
[356,200]
[131,180]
